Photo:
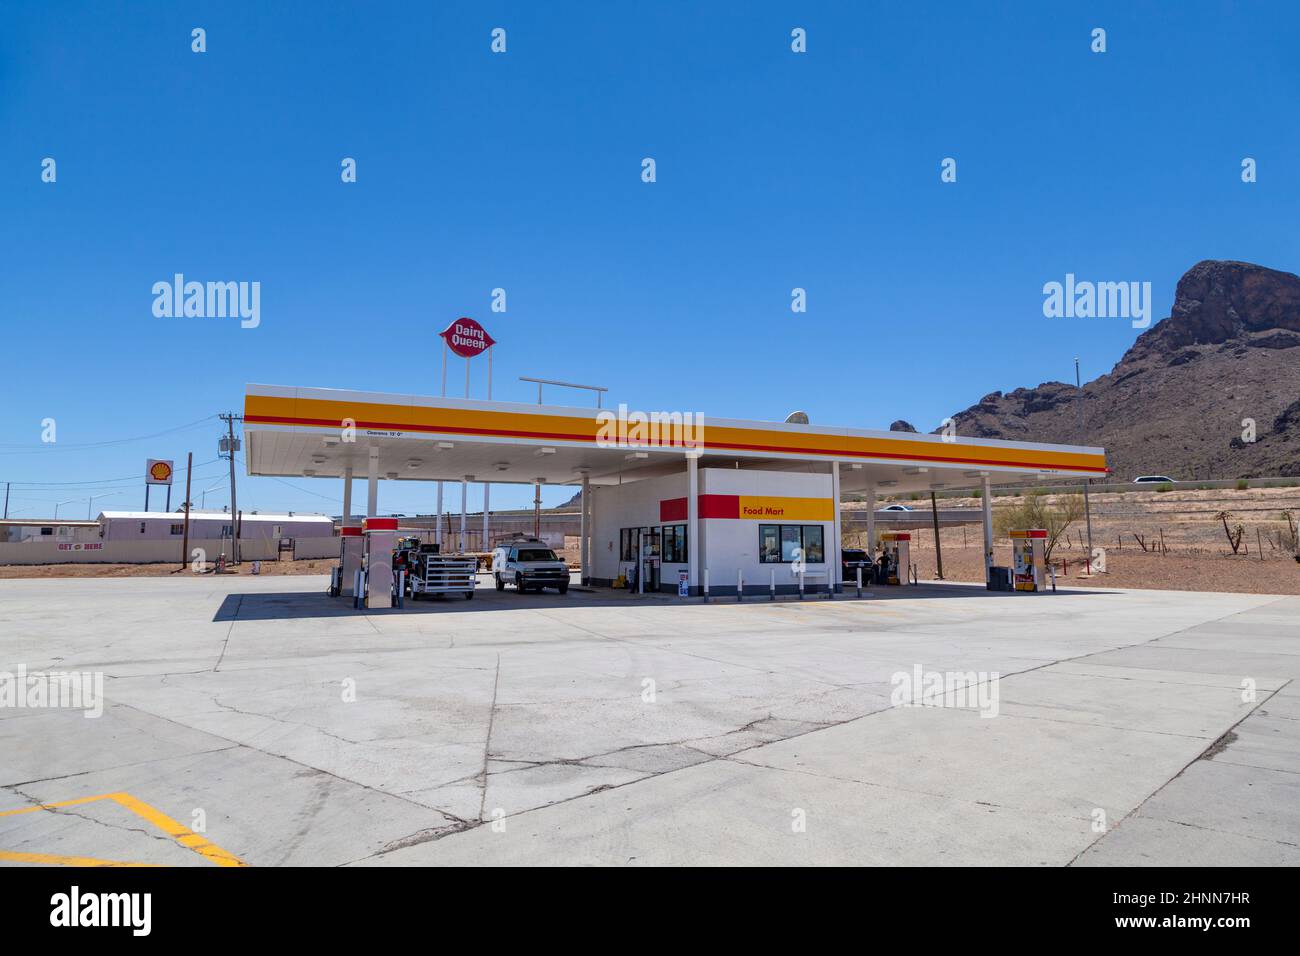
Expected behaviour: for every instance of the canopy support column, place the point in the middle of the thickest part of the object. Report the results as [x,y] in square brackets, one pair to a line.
[986,499]
[871,523]
[833,581]
[347,494]
[693,522]
[372,483]
[464,502]
[584,546]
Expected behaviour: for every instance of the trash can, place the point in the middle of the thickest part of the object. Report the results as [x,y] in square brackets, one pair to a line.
[999,579]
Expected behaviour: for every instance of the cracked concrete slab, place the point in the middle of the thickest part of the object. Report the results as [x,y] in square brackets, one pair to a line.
[728,814]
[1238,804]
[264,810]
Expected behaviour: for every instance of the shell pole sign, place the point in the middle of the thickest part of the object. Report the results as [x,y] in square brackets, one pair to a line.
[158,472]
[467,338]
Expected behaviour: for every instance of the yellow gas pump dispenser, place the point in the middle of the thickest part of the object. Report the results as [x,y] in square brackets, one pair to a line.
[1029,559]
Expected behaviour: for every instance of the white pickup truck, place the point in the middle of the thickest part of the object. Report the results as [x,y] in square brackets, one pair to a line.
[529,563]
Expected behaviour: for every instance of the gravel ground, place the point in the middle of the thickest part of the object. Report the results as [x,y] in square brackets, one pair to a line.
[269,568]
[1198,557]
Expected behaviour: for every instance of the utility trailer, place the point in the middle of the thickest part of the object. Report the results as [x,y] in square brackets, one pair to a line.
[434,573]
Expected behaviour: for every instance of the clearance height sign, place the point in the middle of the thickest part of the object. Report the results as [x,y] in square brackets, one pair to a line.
[751,507]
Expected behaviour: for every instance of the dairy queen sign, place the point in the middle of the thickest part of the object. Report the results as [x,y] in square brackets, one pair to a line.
[467,338]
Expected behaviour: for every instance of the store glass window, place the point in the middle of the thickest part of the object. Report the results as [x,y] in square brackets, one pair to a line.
[813,552]
[627,544]
[674,544]
[783,543]
[791,541]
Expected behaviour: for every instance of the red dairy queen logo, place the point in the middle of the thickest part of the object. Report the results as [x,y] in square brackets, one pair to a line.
[466,337]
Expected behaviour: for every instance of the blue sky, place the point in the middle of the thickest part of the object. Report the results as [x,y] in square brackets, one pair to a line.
[522,170]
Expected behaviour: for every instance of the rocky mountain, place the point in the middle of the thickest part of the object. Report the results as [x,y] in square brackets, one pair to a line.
[1182,400]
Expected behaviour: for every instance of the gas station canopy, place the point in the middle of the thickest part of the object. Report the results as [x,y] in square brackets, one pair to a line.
[321,432]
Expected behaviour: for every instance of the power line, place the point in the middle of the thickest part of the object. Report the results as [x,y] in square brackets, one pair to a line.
[96,483]
[44,447]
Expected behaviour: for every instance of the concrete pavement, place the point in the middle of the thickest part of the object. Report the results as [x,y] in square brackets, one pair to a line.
[278,726]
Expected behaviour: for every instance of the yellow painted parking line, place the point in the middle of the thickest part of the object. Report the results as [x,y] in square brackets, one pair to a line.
[51,859]
[181,834]
[52,806]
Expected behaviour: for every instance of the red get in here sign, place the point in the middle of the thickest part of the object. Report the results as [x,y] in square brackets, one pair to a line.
[467,338]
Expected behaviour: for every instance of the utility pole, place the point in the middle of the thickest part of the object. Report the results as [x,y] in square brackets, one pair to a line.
[938,548]
[229,445]
[1087,508]
[185,541]
[6,518]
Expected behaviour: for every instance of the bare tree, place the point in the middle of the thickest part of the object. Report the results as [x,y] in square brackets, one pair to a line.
[1234,534]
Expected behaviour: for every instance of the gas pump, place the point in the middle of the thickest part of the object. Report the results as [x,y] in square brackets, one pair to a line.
[380,534]
[897,547]
[349,557]
[1029,559]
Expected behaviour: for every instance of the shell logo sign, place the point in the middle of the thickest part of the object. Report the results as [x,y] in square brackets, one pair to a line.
[158,472]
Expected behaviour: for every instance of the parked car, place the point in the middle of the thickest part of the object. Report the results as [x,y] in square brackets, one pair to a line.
[894,508]
[529,563]
[1152,480]
[850,560]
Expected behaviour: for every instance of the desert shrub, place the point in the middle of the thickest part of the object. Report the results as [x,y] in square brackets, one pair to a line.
[1036,512]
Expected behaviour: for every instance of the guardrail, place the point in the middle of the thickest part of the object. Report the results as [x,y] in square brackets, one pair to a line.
[1057,488]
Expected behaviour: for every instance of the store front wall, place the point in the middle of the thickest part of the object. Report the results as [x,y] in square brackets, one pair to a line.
[759,526]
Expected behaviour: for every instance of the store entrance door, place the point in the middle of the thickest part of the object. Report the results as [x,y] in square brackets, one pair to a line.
[650,558]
